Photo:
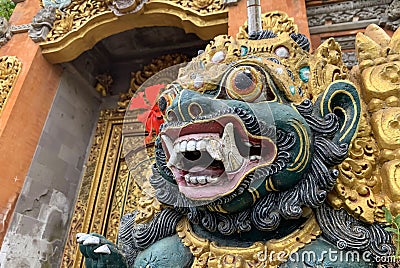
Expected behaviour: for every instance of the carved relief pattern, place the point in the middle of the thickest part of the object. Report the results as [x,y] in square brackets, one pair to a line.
[209,254]
[42,23]
[369,177]
[121,7]
[276,21]
[391,18]
[5,31]
[10,67]
[327,66]
[139,77]
[140,194]
[82,214]
[202,6]
[71,256]
[105,187]
[358,179]
[77,14]
[348,11]
[119,193]
[345,41]
[109,187]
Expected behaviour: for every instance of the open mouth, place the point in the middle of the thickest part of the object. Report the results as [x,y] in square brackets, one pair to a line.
[210,158]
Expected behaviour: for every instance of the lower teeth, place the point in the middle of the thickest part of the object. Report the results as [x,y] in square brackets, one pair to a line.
[200,179]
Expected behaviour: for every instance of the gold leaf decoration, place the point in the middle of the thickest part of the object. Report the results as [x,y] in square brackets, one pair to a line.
[75,15]
[10,67]
[259,255]
[275,21]
[368,179]
[202,6]
[139,77]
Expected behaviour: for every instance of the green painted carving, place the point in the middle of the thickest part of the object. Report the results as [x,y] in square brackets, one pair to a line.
[252,132]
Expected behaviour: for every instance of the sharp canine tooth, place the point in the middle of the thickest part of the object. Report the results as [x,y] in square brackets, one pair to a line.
[248,144]
[201,145]
[258,157]
[173,157]
[214,149]
[182,147]
[253,157]
[191,145]
[232,159]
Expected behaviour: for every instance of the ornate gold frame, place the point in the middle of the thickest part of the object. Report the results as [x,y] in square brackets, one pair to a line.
[10,68]
[108,190]
[84,23]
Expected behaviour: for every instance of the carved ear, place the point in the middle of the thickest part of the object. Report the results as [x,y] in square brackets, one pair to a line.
[342,98]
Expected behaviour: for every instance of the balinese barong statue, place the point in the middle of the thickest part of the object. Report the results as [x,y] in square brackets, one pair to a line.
[266,158]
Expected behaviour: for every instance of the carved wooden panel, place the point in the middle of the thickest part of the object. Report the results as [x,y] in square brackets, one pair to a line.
[108,190]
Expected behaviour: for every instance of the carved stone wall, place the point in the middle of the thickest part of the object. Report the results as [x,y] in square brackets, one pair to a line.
[343,19]
[37,232]
[346,14]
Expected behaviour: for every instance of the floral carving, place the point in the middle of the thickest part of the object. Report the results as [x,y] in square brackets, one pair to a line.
[391,73]
[9,70]
[202,6]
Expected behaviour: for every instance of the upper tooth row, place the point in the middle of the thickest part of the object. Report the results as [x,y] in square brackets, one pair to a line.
[200,179]
[191,145]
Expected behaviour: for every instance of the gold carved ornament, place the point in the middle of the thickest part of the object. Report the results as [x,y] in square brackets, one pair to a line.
[202,6]
[139,77]
[85,22]
[275,21]
[108,189]
[268,254]
[325,63]
[369,177]
[326,66]
[10,68]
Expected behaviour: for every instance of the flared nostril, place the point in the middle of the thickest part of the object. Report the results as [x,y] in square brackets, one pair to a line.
[195,110]
[171,116]
[162,104]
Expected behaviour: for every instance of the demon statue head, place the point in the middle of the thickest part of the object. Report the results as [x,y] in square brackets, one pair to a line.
[243,140]
[253,128]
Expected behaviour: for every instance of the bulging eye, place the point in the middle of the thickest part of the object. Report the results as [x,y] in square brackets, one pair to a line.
[244,83]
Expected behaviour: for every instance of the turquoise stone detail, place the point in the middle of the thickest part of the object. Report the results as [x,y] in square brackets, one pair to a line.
[292,90]
[244,50]
[304,73]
